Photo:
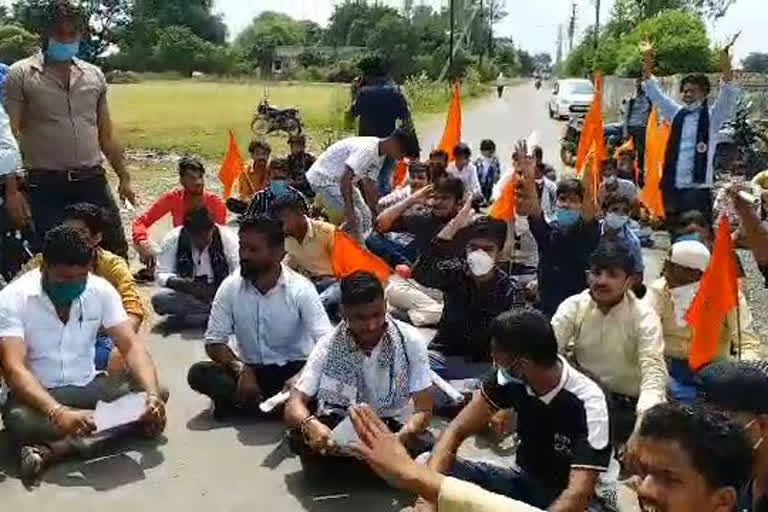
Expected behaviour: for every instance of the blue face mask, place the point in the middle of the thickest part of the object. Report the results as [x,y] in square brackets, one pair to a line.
[567,217]
[687,237]
[504,377]
[63,294]
[62,52]
[278,187]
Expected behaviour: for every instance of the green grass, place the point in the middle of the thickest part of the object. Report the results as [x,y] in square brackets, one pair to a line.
[194,117]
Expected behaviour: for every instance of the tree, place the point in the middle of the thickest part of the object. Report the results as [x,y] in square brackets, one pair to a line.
[527,64]
[756,62]
[16,43]
[542,61]
[268,31]
[393,37]
[179,49]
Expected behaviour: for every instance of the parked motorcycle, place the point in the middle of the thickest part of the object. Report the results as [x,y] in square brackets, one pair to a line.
[269,119]
[569,143]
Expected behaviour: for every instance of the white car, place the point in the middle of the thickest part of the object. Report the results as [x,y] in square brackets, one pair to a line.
[570,96]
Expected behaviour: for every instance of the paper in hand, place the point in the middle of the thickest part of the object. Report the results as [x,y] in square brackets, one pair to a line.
[124,410]
[344,434]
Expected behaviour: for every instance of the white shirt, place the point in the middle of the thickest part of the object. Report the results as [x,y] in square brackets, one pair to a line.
[624,349]
[10,157]
[469,176]
[419,377]
[201,260]
[361,154]
[276,327]
[59,354]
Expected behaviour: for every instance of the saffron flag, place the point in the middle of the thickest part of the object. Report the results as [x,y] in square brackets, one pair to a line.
[718,294]
[347,257]
[656,139]
[592,135]
[504,207]
[452,132]
[401,173]
[232,166]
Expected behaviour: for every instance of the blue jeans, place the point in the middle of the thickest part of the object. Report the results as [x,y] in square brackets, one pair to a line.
[391,252]
[385,176]
[682,381]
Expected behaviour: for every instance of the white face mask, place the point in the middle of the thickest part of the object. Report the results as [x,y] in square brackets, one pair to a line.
[479,262]
[615,221]
[682,297]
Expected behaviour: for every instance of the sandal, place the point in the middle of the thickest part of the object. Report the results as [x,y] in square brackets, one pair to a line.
[33,461]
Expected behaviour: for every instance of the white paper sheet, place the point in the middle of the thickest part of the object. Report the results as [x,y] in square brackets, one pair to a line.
[124,410]
[344,434]
[279,399]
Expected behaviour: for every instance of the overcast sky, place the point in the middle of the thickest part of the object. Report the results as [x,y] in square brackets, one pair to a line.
[532,24]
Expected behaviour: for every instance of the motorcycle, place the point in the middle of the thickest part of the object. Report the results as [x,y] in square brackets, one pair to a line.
[569,143]
[538,84]
[268,119]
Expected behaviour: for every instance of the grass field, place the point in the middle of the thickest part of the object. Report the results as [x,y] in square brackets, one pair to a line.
[193,117]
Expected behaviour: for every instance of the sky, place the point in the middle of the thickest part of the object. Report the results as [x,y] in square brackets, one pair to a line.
[531,23]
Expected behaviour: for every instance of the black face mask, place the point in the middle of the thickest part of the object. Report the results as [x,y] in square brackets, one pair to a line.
[250,270]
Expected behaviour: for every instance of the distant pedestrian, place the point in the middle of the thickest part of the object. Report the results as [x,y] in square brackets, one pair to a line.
[501,82]
[638,109]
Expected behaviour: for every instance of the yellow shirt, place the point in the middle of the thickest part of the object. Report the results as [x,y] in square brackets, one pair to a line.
[249,182]
[623,348]
[114,270]
[312,256]
[677,340]
[460,496]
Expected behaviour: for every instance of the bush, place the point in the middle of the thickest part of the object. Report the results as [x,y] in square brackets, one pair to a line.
[122,77]
[16,43]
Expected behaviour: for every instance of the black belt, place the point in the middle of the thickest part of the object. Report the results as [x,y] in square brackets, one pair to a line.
[51,177]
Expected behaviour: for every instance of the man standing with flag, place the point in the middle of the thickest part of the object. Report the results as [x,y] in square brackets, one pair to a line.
[688,174]
[704,317]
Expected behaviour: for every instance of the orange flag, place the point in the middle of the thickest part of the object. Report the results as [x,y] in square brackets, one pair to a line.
[401,174]
[348,257]
[504,207]
[232,166]
[655,152]
[452,132]
[592,135]
[718,294]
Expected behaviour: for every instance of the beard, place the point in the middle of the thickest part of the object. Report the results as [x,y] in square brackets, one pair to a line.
[250,270]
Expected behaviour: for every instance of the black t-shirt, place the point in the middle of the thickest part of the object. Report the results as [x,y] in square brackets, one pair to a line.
[422,225]
[567,428]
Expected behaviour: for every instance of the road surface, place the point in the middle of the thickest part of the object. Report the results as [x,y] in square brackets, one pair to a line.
[202,466]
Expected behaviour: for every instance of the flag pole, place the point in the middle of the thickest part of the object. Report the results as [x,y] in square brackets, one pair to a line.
[738,326]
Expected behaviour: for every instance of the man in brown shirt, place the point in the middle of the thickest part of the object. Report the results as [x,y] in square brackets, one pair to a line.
[58,110]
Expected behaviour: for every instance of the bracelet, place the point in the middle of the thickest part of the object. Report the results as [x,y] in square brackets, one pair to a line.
[55,412]
[304,423]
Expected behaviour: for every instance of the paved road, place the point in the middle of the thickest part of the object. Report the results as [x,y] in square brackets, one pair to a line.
[520,111]
[203,466]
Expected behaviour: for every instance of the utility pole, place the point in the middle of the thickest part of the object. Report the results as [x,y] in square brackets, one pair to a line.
[559,52]
[597,25]
[572,27]
[453,28]
[482,46]
[490,28]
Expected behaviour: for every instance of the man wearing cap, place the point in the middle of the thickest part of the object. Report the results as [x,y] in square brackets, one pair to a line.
[299,162]
[672,295]
[738,390]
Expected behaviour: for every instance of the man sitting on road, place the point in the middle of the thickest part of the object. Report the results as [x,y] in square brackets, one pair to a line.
[335,175]
[437,164]
[253,178]
[49,319]
[412,227]
[89,219]
[191,195]
[194,260]
[564,461]
[418,178]
[299,162]
[616,338]
[414,222]
[309,247]
[672,295]
[463,168]
[276,317]
[278,185]
[369,358]
[615,227]
[566,243]
[461,262]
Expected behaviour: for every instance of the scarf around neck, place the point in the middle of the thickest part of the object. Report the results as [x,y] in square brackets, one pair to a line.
[342,383]
[185,266]
[700,159]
